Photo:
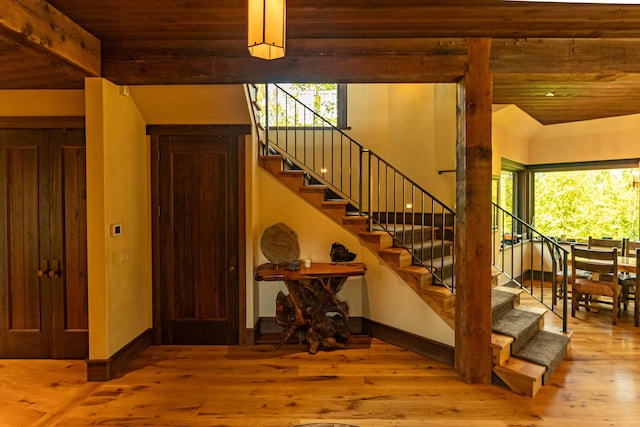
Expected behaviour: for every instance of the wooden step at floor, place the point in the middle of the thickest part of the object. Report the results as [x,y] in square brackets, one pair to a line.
[521,376]
[500,348]
[547,349]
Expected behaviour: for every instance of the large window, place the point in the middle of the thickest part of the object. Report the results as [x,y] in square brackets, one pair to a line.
[598,202]
[328,100]
[513,192]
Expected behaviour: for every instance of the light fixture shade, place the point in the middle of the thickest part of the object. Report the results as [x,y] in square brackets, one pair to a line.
[267,22]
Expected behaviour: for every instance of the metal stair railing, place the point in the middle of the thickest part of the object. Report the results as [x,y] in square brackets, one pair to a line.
[523,254]
[372,187]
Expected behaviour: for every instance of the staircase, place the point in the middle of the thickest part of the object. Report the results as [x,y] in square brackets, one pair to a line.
[384,243]
[524,354]
[418,247]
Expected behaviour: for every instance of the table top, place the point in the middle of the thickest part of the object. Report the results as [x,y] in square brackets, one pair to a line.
[627,263]
[272,272]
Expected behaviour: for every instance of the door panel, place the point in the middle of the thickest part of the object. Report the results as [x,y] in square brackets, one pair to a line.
[199,229]
[25,317]
[69,214]
[30,226]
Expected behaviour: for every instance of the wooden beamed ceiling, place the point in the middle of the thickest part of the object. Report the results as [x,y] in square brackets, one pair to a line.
[587,56]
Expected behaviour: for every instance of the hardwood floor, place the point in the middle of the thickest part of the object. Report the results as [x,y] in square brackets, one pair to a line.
[376,385]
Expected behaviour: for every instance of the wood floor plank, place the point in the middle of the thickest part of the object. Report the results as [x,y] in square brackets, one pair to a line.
[378,385]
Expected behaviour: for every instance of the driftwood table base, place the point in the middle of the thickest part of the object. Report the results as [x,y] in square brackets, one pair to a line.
[311,307]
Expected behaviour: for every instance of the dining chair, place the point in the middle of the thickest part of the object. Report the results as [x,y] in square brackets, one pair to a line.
[629,281]
[601,279]
[606,243]
[558,274]
[630,247]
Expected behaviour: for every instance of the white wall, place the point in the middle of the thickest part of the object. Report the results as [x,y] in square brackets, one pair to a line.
[191,104]
[603,139]
[118,192]
[413,127]
[512,130]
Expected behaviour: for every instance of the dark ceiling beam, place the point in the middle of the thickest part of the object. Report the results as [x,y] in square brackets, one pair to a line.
[350,61]
[578,57]
[41,29]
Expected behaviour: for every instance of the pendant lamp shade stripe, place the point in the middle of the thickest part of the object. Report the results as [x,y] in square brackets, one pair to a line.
[267,27]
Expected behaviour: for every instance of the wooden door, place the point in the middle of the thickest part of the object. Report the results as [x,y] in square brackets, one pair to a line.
[198,239]
[43,286]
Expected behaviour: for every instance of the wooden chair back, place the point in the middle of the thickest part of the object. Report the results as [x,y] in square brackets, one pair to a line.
[608,244]
[601,267]
[631,247]
[636,290]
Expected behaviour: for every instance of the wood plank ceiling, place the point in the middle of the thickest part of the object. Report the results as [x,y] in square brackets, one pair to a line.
[587,56]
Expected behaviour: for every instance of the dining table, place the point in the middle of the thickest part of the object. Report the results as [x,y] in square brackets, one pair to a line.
[627,264]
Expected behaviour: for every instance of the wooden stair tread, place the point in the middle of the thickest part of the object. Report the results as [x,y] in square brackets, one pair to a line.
[334,203]
[521,368]
[442,261]
[356,219]
[313,188]
[437,290]
[500,340]
[291,172]
[515,291]
[537,310]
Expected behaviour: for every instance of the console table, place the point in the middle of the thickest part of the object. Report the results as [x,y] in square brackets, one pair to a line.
[311,306]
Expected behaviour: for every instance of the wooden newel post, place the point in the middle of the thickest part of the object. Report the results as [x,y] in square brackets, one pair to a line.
[473,227]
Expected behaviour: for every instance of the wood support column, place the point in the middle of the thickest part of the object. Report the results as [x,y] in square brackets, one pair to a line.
[473,227]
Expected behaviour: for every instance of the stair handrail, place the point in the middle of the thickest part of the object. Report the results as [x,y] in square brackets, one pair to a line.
[511,231]
[355,173]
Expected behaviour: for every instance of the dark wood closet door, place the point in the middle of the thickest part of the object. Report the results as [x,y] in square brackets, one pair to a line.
[69,283]
[41,297]
[199,239]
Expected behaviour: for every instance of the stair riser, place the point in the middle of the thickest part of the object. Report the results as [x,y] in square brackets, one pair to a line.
[445,272]
[419,234]
[438,250]
[399,259]
[526,336]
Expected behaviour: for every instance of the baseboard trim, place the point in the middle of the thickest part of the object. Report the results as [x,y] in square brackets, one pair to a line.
[362,326]
[107,369]
[423,346]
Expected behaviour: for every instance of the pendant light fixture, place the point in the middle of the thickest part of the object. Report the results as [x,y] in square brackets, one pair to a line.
[267,23]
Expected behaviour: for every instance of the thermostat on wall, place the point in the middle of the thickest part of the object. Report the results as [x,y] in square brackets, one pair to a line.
[116,229]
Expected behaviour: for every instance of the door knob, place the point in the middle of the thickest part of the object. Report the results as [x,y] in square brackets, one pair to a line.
[44,268]
[55,268]
[232,269]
